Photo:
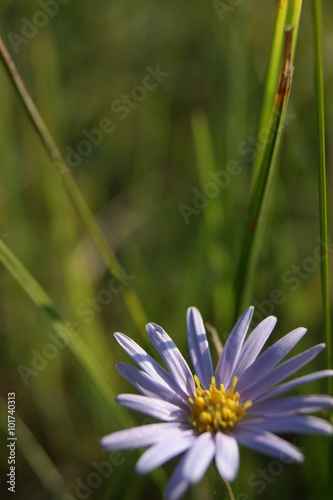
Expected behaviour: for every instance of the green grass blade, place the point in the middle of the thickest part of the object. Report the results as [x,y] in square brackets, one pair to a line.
[35,455]
[262,188]
[132,301]
[293,17]
[320,119]
[75,344]
[273,71]
[324,272]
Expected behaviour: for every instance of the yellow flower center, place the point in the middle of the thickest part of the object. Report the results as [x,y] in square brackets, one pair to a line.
[216,409]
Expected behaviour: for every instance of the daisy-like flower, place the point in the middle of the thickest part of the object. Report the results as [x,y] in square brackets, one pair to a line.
[207,415]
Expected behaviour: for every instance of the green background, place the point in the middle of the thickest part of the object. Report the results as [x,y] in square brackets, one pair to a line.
[88,55]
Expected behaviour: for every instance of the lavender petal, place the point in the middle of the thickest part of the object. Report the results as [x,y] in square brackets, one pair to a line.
[149,386]
[199,348]
[268,444]
[146,362]
[226,456]
[297,424]
[254,343]
[178,484]
[282,371]
[287,386]
[292,404]
[154,407]
[164,450]
[176,364]
[267,361]
[199,457]
[142,436]
[231,351]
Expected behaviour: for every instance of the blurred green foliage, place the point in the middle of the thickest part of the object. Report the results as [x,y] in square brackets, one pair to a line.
[78,67]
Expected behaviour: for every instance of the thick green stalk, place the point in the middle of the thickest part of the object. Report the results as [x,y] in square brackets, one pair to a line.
[320,121]
[262,188]
[260,196]
[272,75]
[292,19]
[320,115]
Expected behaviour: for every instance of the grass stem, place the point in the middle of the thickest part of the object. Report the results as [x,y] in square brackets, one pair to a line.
[63,173]
[320,119]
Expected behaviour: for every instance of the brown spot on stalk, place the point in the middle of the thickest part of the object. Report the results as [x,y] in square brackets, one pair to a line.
[286,70]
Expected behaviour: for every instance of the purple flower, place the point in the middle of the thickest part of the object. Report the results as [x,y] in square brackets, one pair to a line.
[207,415]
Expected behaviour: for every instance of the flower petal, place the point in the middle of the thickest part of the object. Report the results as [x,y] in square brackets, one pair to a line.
[296,424]
[199,348]
[152,406]
[176,364]
[149,386]
[254,343]
[292,404]
[199,457]
[138,437]
[262,365]
[287,386]
[268,444]
[228,360]
[282,371]
[164,450]
[146,362]
[226,456]
[177,484]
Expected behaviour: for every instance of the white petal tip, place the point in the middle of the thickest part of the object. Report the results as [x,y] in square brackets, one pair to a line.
[141,471]
[104,443]
[230,478]
[273,319]
[118,336]
[191,310]
[152,328]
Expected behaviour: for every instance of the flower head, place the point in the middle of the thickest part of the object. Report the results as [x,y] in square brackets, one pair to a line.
[207,415]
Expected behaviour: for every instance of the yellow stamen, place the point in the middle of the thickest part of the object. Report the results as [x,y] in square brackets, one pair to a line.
[216,409]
